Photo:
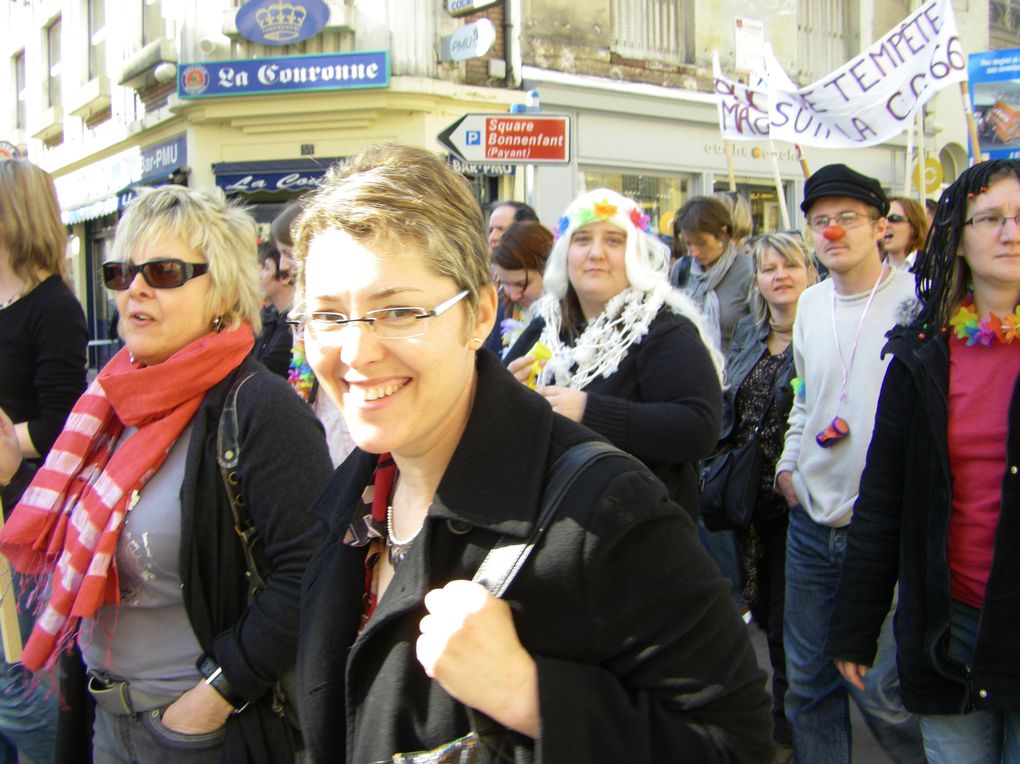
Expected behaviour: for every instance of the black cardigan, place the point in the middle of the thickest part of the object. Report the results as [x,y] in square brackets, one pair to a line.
[641,656]
[900,531]
[284,465]
[663,403]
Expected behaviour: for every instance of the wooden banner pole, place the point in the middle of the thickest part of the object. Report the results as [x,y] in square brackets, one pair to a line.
[10,629]
[779,188]
[729,165]
[968,112]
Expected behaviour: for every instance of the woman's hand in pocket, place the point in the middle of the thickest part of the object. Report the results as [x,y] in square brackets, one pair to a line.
[201,709]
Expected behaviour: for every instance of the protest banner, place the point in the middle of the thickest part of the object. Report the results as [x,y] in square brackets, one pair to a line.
[995,98]
[876,95]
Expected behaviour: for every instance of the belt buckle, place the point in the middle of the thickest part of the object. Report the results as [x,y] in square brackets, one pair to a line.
[110,694]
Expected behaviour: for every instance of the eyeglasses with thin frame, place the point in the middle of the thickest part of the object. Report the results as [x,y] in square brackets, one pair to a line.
[987,222]
[397,323]
[847,219]
[161,273]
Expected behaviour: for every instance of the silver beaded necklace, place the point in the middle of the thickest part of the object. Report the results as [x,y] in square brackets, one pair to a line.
[396,549]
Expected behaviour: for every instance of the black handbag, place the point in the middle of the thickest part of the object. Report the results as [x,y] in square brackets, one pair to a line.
[728,481]
[729,487]
[228,456]
[490,742]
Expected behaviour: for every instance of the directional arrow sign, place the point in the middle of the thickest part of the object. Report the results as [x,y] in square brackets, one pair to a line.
[510,138]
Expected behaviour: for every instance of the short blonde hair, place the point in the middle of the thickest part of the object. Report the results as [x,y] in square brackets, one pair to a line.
[222,233]
[791,248]
[30,228]
[389,196]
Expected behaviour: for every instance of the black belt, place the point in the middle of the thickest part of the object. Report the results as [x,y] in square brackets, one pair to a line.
[118,697]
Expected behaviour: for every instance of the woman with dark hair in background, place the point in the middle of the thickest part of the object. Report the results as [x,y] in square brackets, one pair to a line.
[43,342]
[908,228]
[939,503]
[720,274]
[518,261]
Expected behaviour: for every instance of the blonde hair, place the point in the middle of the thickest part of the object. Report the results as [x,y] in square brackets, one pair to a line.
[791,249]
[740,214]
[222,233]
[391,196]
[30,228]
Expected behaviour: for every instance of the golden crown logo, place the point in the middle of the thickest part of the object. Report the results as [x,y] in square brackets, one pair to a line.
[281,21]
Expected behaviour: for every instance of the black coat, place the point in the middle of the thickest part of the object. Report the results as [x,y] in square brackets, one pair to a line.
[902,516]
[283,464]
[273,345]
[662,404]
[641,656]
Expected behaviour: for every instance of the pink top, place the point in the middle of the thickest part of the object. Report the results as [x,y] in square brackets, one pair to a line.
[980,386]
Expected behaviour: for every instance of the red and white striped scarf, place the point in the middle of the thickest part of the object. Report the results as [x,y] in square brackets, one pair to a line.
[65,529]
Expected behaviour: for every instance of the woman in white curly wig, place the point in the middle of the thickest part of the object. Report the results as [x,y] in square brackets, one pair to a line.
[621,351]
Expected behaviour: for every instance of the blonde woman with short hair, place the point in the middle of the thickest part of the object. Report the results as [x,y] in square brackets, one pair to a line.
[130,534]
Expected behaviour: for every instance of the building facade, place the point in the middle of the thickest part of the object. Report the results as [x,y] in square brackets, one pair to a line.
[109,95]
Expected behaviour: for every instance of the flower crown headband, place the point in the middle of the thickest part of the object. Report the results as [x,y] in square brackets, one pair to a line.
[601,211]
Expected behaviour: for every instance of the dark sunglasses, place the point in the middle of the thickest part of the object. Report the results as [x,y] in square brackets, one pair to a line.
[896,218]
[163,273]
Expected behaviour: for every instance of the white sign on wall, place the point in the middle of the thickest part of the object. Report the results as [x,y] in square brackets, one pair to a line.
[470,41]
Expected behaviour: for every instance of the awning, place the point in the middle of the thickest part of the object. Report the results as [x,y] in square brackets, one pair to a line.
[170,175]
[271,175]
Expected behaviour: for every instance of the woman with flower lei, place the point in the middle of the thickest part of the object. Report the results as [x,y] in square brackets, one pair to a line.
[628,355]
[939,497]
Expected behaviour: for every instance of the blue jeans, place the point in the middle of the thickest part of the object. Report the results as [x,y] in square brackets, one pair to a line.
[143,739]
[28,706]
[817,700]
[978,736]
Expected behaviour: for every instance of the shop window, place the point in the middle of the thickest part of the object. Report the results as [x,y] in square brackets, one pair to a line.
[649,29]
[1004,23]
[658,195]
[766,213]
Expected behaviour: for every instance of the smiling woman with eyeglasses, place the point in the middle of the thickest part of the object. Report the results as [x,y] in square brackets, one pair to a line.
[134,524]
[615,640]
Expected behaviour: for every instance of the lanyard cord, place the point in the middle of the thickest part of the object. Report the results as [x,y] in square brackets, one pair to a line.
[849,364]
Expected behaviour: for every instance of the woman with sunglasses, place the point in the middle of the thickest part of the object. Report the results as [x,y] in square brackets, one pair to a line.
[518,260]
[905,235]
[615,641]
[42,372]
[939,509]
[756,403]
[131,535]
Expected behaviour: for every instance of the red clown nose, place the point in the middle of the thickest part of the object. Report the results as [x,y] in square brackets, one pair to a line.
[834,232]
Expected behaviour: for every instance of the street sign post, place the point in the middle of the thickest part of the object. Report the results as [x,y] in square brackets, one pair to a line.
[510,138]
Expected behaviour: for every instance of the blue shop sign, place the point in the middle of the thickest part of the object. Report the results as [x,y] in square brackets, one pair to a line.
[271,176]
[284,74]
[161,159]
[281,22]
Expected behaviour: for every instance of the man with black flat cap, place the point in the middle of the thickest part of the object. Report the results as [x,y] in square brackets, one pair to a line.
[837,340]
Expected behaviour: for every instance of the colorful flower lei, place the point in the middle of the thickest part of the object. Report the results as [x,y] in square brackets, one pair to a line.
[968,326]
[300,375]
[598,212]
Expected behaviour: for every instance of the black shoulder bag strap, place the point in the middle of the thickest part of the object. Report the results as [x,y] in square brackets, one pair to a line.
[505,560]
[228,456]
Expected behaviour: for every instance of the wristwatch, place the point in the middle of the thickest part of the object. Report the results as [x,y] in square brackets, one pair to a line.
[215,678]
